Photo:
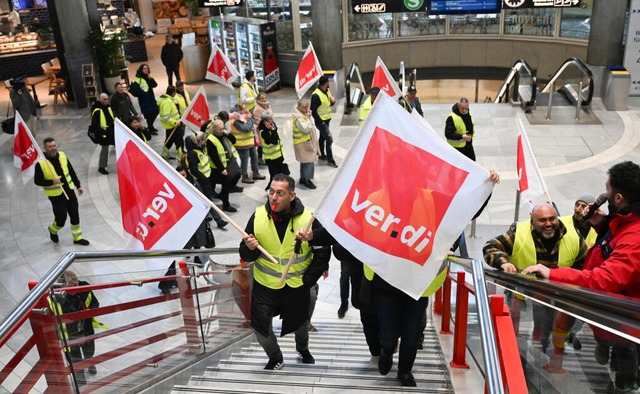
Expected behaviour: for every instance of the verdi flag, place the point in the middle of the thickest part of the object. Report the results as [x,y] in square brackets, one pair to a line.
[309,71]
[530,184]
[382,78]
[26,151]
[220,68]
[160,208]
[402,197]
[198,111]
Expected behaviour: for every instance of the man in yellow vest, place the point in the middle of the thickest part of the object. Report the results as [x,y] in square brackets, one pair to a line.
[542,240]
[576,222]
[366,106]
[248,91]
[459,128]
[183,98]
[59,180]
[170,120]
[102,120]
[321,102]
[273,226]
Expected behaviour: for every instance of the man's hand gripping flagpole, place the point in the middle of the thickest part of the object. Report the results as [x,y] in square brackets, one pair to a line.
[295,252]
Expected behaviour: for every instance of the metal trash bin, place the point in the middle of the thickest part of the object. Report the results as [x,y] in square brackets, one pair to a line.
[617,82]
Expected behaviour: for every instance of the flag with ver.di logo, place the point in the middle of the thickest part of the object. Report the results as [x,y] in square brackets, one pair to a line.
[402,197]
[160,208]
[309,71]
[530,183]
[382,78]
[26,152]
[220,69]
[197,113]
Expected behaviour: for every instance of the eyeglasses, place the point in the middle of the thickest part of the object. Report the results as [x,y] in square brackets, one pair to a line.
[279,193]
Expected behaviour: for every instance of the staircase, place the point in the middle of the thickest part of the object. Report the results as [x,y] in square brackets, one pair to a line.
[343,364]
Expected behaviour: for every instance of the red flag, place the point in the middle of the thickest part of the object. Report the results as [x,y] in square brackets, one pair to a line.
[160,209]
[402,197]
[26,151]
[530,183]
[220,68]
[198,111]
[309,71]
[382,78]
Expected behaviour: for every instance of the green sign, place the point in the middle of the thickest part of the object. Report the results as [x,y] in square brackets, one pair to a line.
[413,5]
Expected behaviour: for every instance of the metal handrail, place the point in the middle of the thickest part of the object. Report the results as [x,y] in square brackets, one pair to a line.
[582,67]
[514,74]
[401,76]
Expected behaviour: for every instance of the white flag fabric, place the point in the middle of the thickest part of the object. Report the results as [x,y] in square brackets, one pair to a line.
[382,78]
[160,208]
[529,182]
[309,71]
[220,69]
[197,113]
[26,152]
[402,197]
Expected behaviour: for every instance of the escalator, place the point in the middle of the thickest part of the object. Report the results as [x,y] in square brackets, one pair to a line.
[571,84]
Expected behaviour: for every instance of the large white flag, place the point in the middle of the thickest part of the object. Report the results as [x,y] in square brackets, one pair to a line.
[530,184]
[402,197]
[26,152]
[382,78]
[197,112]
[160,209]
[309,71]
[220,69]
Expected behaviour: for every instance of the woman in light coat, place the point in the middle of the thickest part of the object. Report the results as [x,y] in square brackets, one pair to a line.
[305,142]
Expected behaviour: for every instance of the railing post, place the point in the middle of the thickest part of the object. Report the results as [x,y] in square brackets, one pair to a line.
[445,327]
[551,91]
[460,329]
[579,101]
[437,303]
[188,309]
[44,331]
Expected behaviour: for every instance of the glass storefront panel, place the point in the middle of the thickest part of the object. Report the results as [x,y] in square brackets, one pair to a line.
[257,9]
[305,23]
[370,26]
[420,24]
[474,24]
[575,22]
[281,14]
[530,22]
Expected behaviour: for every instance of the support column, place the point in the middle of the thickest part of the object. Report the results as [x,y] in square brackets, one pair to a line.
[327,38]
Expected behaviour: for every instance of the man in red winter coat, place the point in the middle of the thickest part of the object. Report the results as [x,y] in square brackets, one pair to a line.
[612,264]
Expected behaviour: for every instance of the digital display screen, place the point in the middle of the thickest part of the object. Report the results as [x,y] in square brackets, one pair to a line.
[442,7]
[26,4]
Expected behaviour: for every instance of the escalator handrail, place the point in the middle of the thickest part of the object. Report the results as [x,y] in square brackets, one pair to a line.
[520,63]
[354,68]
[582,67]
[401,76]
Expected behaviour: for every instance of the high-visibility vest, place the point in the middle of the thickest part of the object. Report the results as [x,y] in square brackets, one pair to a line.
[251,93]
[435,284]
[219,151]
[271,151]
[103,119]
[364,110]
[49,174]
[244,139]
[204,163]
[568,223]
[56,308]
[298,136]
[266,272]
[183,101]
[169,115]
[324,110]
[461,129]
[144,86]
[524,249]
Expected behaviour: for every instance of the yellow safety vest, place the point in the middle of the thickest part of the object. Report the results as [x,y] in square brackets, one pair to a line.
[364,110]
[265,271]
[144,86]
[182,102]
[103,120]
[435,284]
[324,110]
[568,223]
[204,163]
[169,115]
[251,93]
[461,129]
[49,174]
[56,308]
[219,151]
[271,151]
[243,139]
[524,249]
[298,136]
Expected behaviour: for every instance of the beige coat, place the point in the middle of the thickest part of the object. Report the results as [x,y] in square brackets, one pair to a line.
[308,151]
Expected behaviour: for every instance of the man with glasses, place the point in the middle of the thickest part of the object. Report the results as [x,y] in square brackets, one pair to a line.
[273,226]
[459,128]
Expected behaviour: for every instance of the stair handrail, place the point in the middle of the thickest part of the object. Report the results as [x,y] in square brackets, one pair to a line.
[520,64]
[573,61]
[401,77]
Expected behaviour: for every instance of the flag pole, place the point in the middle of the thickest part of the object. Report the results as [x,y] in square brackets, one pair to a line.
[535,161]
[294,255]
[198,192]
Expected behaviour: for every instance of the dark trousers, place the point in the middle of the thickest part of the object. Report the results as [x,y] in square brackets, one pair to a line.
[175,137]
[77,354]
[399,317]
[62,207]
[219,179]
[172,70]
[276,166]
[468,151]
[345,268]
[325,140]
[150,117]
[625,356]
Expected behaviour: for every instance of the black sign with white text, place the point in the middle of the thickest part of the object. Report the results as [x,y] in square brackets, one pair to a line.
[517,4]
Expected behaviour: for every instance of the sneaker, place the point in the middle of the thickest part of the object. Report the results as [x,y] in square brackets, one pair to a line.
[385,362]
[229,209]
[407,379]
[257,175]
[82,242]
[332,163]
[222,223]
[342,310]
[322,157]
[275,364]
[54,237]
[92,370]
[307,358]
[246,179]
[236,189]
[602,354]
[103,171]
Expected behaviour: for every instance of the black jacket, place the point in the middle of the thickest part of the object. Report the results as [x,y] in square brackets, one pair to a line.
[171,54]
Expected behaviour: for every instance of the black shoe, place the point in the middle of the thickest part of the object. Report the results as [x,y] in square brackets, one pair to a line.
[274,364]
[385,362]
[575,342]
[420,345]
[236,189]
[602,354]
[229,209]
[208,218]
[310,184]
[342,310]
[103,171]
[54,237]
[322,157]
[153,131]
[82,242]
[374,352]
[407,379]
[92,370]
[222,223]
[165,291]
[332,163]
[307,358]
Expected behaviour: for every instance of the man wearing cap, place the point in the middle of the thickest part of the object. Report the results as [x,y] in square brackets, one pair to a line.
[411,101]
[366,106]
[576,222]
[459,128]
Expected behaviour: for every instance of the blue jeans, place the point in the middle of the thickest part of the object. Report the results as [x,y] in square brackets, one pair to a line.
[307,170]
[399,317]
[244,160]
